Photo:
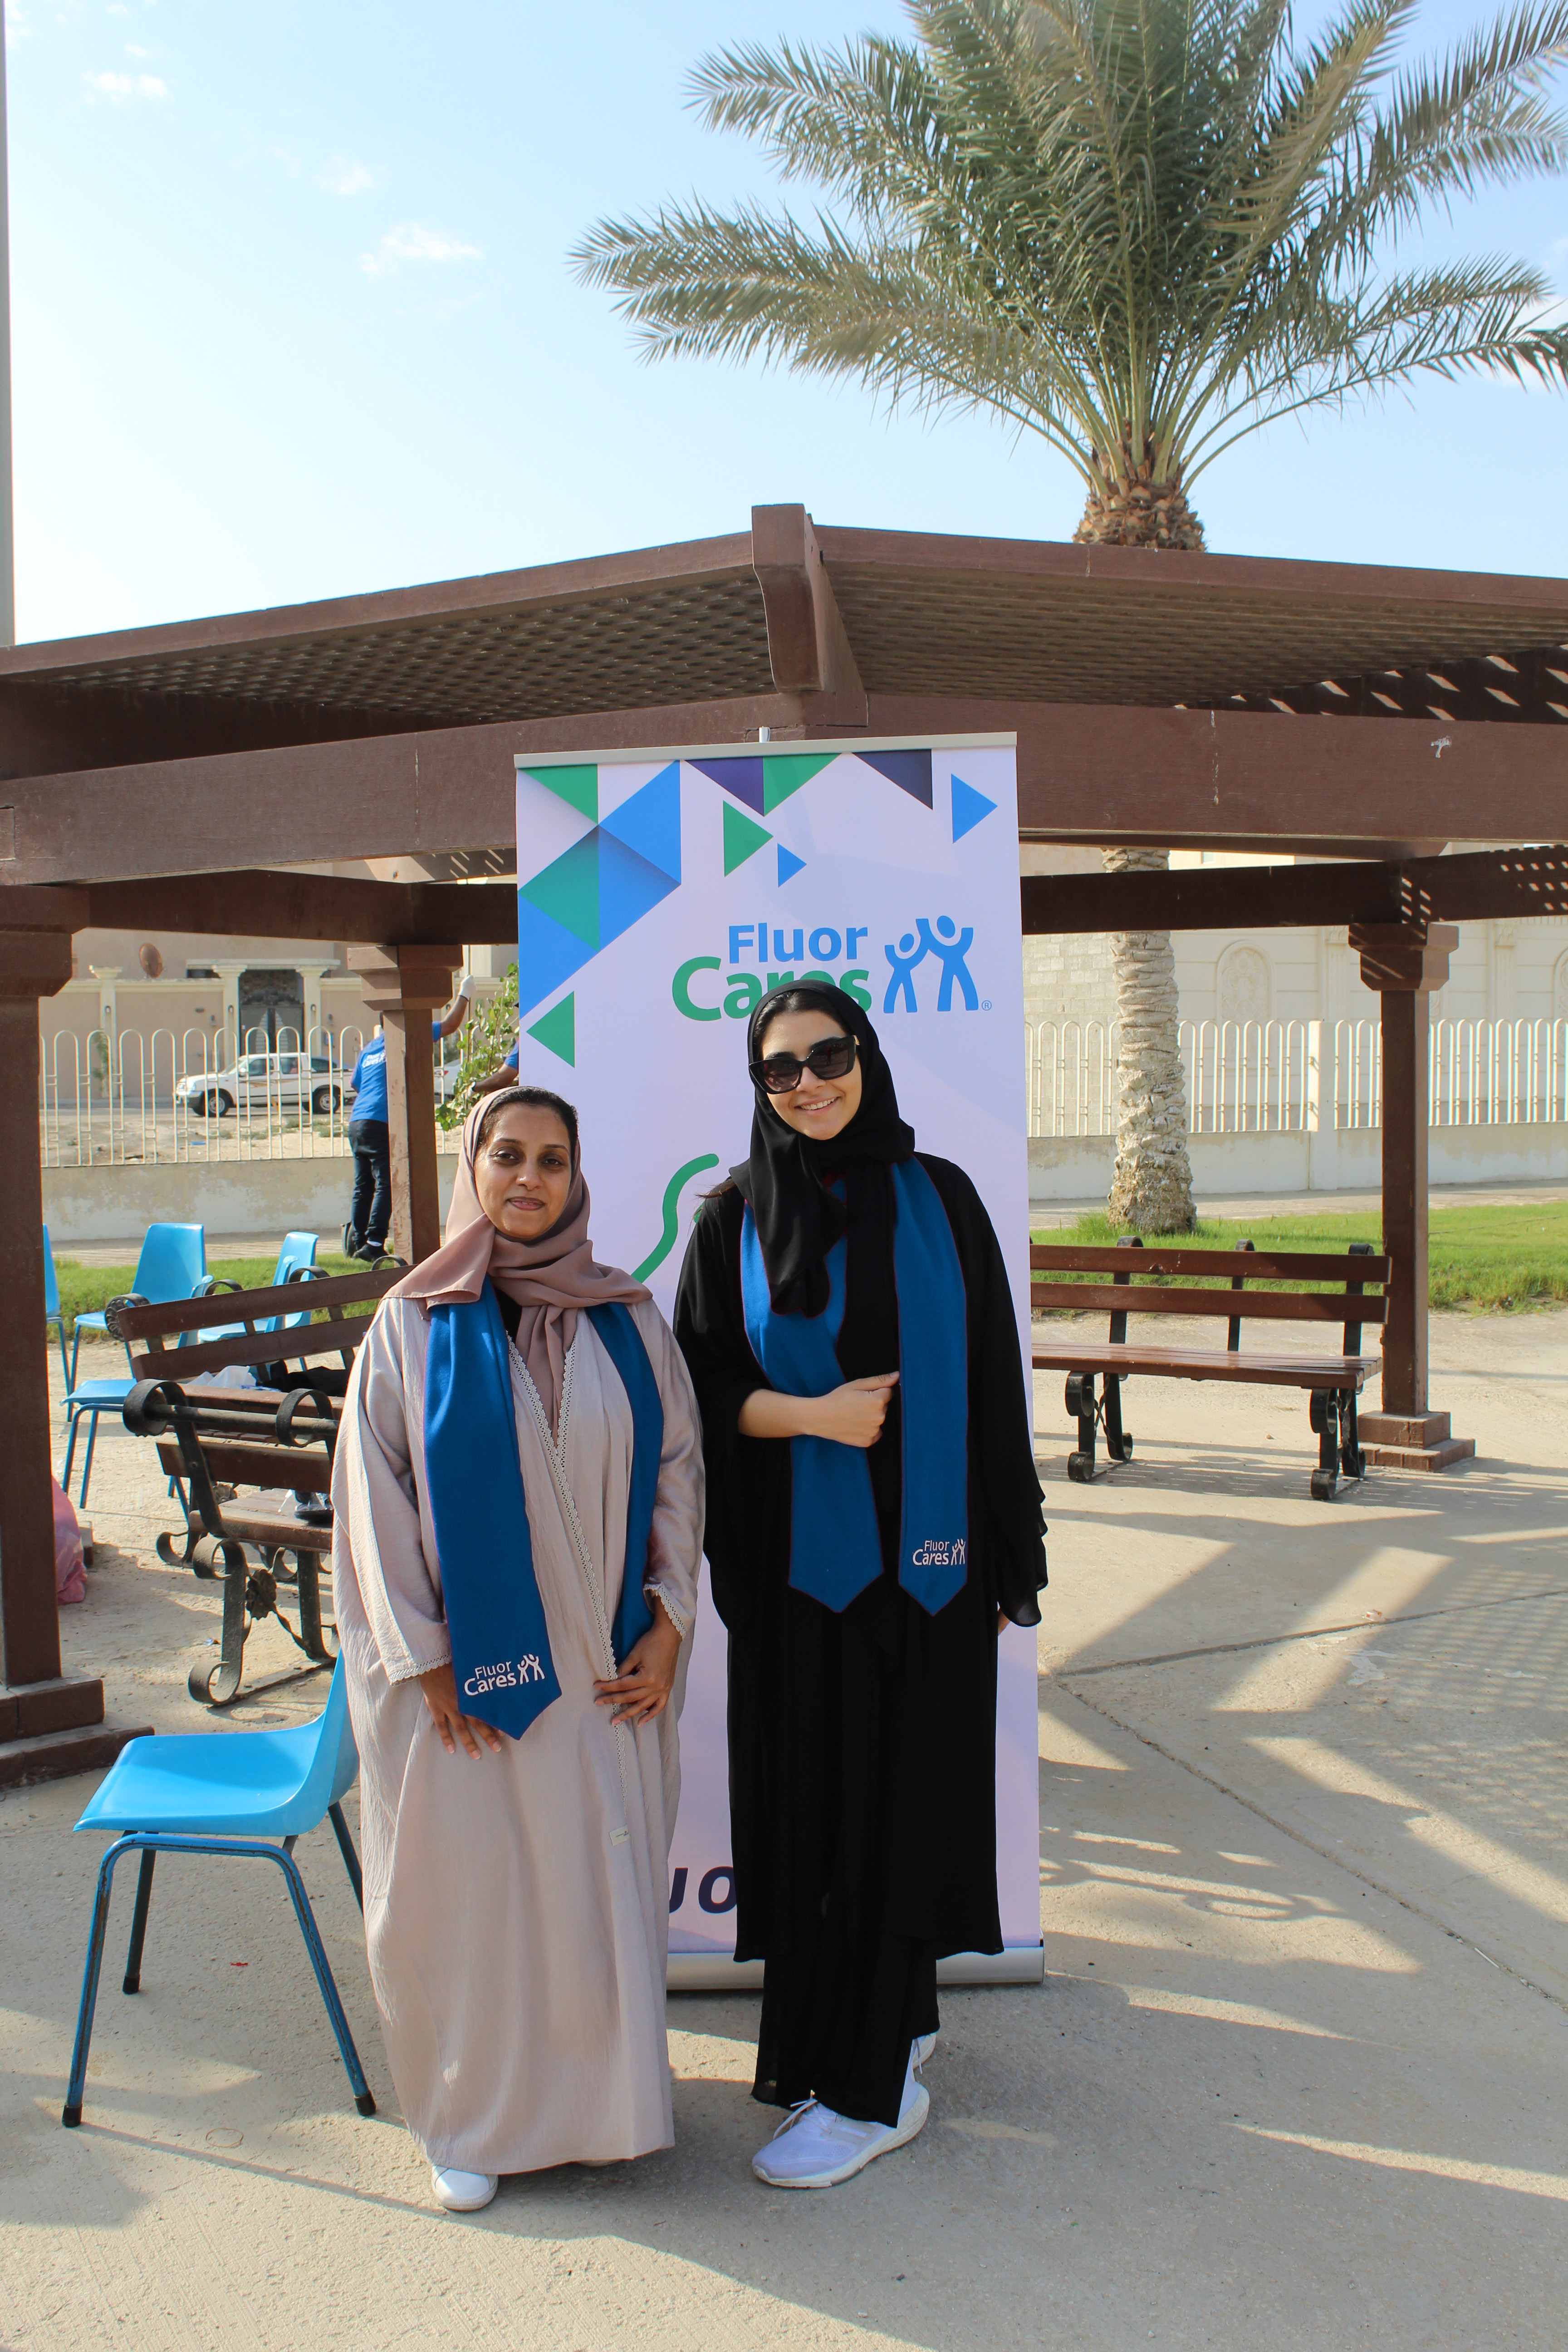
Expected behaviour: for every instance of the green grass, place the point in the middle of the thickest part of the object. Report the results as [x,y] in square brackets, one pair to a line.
[1488,1260]
[84,1289]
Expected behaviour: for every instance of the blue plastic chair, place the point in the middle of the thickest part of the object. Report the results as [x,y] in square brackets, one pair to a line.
[226,1793]
[173,1259]
[86,1403]
[52,1307]
[172,1264]
[296,1263]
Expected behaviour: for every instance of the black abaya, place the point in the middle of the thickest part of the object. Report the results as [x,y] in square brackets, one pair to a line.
[862,1745]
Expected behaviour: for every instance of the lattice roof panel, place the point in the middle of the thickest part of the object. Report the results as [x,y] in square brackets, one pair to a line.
[919,631]
[692,640]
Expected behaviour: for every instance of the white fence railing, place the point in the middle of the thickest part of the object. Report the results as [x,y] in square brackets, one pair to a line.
[1262,1078]
[106,1099]
[199,1096]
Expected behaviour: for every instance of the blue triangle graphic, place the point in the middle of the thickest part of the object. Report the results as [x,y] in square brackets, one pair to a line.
[911,771]
[742,776]
[629,886]
[968,807]
[789,864]
[649,821]
[547,953]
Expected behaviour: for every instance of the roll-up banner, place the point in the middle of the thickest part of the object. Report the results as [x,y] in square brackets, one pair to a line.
[660,896]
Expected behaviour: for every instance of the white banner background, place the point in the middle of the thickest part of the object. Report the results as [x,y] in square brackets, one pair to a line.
[892,868]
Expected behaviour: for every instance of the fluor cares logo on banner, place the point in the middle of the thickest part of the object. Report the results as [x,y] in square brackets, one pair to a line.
[619,865]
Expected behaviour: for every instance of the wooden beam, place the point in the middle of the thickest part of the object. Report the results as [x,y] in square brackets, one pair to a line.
[1466,888]
[25,910]
[379,796]
[1087,772]
[257,903]
[33,964]
[403,985]
[808,650]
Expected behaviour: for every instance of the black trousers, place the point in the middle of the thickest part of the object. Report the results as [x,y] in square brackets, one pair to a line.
[370,1140]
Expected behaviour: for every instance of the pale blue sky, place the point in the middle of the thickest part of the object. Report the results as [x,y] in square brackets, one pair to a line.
[292,318]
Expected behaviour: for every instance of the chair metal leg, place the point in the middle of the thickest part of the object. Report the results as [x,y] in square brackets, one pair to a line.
[70,2114]
[363,2098]
[346,1848]
[139,1923]
[86,1466]
[150,1843]
[76,1350]
[71,1419]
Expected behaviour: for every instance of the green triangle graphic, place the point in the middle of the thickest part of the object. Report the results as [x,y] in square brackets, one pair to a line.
[558,1030]
[579,786]
[787,773]
[742,838]
[569,890]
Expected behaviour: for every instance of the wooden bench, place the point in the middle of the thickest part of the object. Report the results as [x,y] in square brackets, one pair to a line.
[278,1437]
[1334,1381]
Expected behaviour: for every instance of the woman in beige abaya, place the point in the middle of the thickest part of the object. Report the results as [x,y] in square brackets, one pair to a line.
[518,1493]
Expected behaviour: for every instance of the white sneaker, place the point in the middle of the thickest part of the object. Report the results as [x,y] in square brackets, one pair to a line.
[921,2047]
[462,2192]
[815,2147]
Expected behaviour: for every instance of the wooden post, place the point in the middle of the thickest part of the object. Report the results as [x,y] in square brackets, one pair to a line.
[405,985]
[1403,963]
[50,1723]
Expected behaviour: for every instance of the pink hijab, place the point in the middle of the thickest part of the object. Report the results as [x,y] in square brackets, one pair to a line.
[551,1279]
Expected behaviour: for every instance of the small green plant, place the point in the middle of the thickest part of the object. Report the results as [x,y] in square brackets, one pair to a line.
[488,1034]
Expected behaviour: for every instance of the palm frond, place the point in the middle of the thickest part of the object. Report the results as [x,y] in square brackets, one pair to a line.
[1136,227]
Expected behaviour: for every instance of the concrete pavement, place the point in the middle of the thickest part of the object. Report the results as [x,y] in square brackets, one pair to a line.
[1295,2076]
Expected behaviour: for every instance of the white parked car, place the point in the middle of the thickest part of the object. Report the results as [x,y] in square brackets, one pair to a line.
[286,1081]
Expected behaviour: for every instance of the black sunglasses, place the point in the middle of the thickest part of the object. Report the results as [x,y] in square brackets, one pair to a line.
[830,1057]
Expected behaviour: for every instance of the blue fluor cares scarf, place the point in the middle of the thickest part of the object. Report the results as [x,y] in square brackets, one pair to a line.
[473,1474]
[835,1547]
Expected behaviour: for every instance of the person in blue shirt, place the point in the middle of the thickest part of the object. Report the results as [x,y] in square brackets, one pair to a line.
[370,1137]
[506,1076]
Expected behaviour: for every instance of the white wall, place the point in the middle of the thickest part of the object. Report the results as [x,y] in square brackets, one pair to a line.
[256,1200]
[1500,970]
[1078,1168]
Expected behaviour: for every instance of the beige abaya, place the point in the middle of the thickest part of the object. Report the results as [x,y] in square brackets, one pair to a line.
[516,1909]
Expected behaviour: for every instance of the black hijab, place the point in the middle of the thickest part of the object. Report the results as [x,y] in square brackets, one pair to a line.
[798,1220]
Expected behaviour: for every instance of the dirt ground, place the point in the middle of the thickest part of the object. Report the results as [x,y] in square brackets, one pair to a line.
[1295,2076]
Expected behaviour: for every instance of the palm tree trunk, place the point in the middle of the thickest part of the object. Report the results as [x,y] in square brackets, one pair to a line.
[1151,1192]
[1127,508]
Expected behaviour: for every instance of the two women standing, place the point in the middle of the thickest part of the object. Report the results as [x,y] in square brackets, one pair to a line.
[520,1519]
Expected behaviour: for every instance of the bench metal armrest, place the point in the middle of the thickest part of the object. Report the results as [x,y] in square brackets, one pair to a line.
[290,1412]
[111,1312]
[154,1409]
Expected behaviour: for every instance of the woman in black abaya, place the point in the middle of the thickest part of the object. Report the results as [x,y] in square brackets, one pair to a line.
[874,1520]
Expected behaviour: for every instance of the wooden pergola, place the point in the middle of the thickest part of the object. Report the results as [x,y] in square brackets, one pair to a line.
[170,776]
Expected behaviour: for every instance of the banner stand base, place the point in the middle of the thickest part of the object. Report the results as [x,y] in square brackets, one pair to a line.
[716,1972]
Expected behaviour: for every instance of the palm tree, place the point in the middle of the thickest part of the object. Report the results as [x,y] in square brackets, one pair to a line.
[1138,228]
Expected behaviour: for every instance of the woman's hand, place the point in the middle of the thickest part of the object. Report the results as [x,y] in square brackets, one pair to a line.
[641,1690]
[854,1414]
[850,1415]
[453,1727]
